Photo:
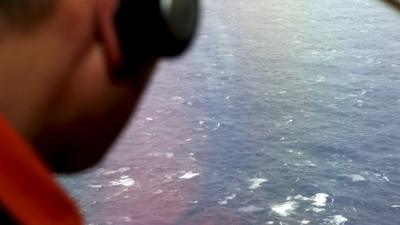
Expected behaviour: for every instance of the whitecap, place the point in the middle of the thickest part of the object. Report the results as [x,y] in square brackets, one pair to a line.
[395,206]
[320,199]
[120,170]
[305,222]
[301,197]
[97,186]
[385,178]
[336,220]
[285,209]
[217,127]
[225,201]
[125,181]
[311,164]
[257,182]
[363,92]
[189,175]
[126,219]
[376,177]
[178,98]
[159,192]
[159,154]
[250,209]
[169,155]
[357,178]
[270,222]
[317,210]
[321,79]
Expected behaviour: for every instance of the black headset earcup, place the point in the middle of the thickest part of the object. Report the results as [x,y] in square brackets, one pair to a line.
[151,29]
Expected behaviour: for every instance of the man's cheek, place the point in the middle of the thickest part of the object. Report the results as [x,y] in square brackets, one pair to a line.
[89,114]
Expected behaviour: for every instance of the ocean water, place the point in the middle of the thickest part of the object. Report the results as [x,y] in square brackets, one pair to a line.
[284,112]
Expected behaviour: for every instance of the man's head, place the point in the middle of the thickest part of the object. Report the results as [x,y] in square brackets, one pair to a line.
[56,84]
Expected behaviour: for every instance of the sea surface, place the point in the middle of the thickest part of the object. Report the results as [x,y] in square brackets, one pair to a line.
[284,112]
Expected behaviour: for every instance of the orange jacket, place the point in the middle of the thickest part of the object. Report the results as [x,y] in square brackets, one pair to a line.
[27,189]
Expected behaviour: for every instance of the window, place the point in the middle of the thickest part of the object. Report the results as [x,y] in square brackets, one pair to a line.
[283,112]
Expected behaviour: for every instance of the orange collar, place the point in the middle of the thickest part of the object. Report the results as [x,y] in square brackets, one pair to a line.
[27,189]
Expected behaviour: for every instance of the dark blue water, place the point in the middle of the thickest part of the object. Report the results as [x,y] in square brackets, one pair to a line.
[284,112]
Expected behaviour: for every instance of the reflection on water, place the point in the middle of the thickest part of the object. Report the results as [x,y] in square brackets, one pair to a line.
[284,112]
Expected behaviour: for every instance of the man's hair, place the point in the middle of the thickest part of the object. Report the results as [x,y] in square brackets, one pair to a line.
[24,13]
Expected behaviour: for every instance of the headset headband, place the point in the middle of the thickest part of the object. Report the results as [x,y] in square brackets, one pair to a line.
[151,29]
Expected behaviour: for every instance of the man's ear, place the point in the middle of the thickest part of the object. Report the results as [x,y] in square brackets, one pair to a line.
[105,14]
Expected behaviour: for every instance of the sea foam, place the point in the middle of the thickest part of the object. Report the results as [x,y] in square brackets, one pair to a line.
[285,209]
[357,178]
[225,201]
[256,183]
[250,209]
[336,220]
[189,175]
[320,199]
[125,181]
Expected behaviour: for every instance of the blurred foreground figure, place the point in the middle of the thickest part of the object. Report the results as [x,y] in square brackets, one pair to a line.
[61,105]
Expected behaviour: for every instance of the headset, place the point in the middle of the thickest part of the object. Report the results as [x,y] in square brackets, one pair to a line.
[150,29]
